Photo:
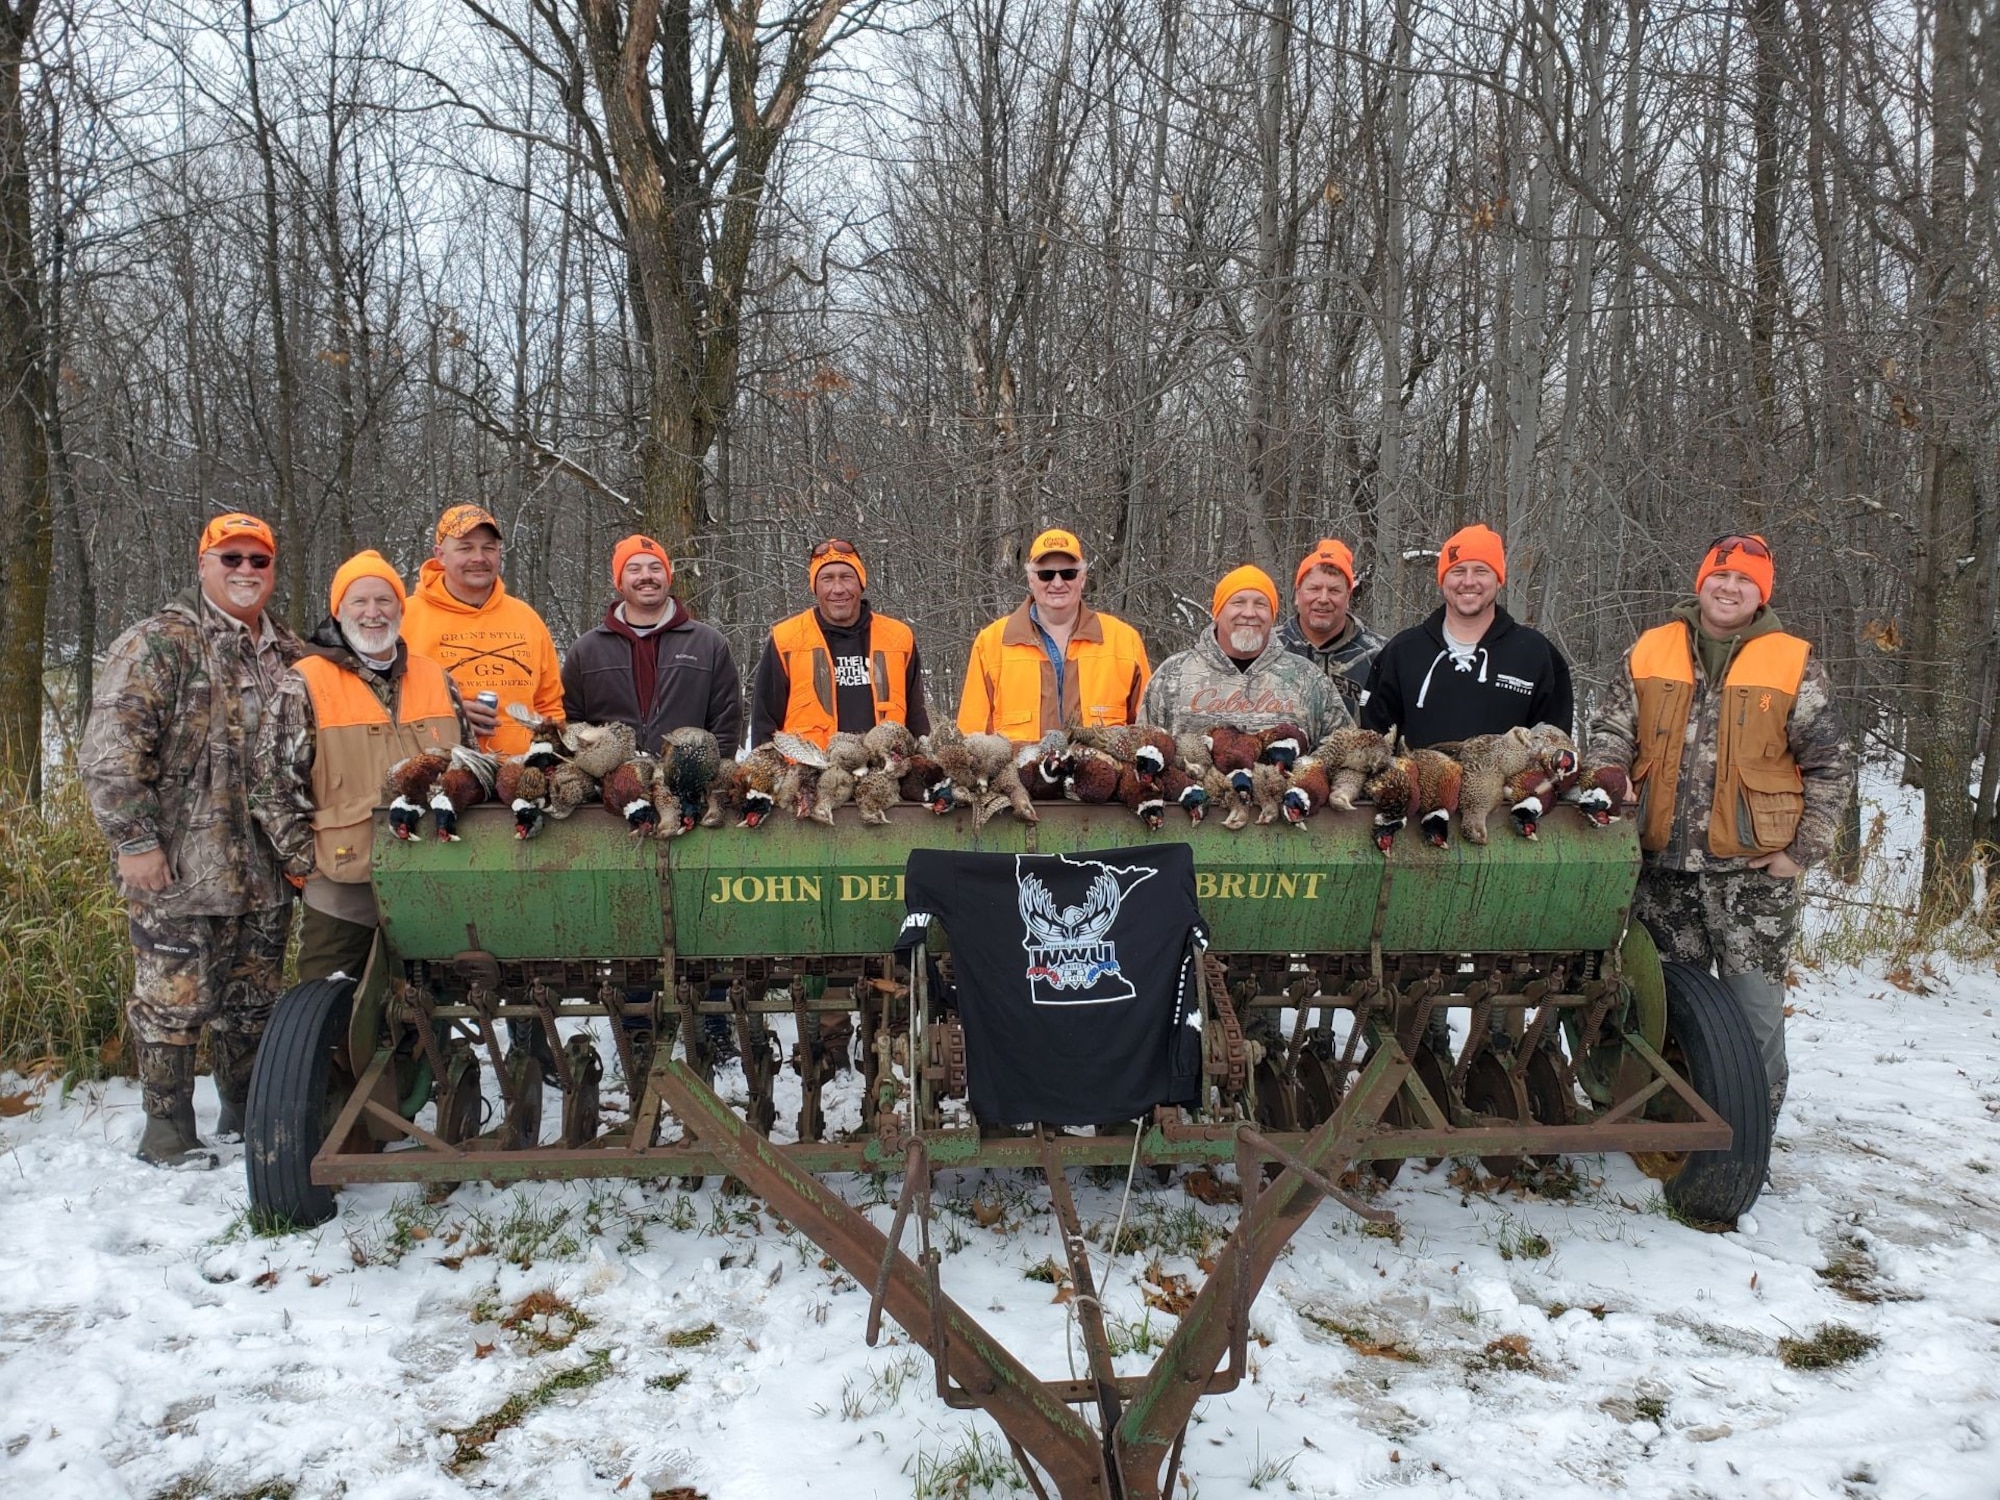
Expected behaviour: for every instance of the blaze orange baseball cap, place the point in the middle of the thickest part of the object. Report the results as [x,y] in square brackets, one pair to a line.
[1327,552]
[638,546]
[369,564]
[236,526]
[1055,539]
[1473,543]
[462,520]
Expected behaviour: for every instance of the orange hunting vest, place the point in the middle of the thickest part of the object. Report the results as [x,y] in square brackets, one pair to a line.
[811,712]
[356,744]
[1759,794]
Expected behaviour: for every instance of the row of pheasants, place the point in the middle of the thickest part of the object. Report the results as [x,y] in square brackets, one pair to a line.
[1269,776]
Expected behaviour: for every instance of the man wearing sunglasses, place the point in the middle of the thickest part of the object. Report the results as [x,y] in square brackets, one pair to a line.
[839,665]
[168,760]
[1726,726]
[461,616]
[1054,661]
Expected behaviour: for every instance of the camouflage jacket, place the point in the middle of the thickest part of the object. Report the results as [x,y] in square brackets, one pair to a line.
[1345,660]
[1813,734]
[281,796]
[1197,689]
[167,756]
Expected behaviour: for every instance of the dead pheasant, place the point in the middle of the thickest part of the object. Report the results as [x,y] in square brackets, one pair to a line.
[1351,757]
[1184,792]
[839,765]
[525,790]
[466,782]
[690,760]
[1233,752]
[544,736]
[628,791]
[1601,792]
[413,780]
[1144,795]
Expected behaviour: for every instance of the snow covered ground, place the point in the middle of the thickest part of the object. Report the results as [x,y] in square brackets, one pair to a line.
[584,1339]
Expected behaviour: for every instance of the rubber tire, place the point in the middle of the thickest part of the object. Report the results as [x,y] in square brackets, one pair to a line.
[291,1107]
[1706,1026]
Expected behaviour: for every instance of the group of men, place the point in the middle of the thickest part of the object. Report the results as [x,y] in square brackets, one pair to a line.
[232,764]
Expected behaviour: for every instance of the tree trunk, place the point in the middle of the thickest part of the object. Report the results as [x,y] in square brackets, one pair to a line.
[25,518]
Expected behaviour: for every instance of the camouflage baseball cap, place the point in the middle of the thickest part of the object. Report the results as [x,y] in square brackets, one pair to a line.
[462,520]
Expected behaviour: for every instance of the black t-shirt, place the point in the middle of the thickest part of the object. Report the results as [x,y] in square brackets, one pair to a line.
[1075,974]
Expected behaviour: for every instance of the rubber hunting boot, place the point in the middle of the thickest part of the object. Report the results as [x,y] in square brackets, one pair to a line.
[231,1055]
[166,1084]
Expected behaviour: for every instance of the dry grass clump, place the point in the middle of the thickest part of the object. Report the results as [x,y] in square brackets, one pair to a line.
[65,961]
[1828,1346]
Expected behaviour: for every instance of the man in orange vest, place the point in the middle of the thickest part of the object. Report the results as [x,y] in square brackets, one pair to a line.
[1055,661]
[462,617]
[839,665]
[1725,725]
[358,701]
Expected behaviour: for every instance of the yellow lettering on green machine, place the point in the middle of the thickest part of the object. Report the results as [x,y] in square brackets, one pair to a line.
[749,890]
[1263,885]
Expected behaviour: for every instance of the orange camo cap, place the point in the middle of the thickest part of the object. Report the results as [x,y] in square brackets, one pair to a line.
[1327,552]
[1474,543]
[368,564]
[638,546]
[236,526]
[1055,539]
[463,520]
[1236,580]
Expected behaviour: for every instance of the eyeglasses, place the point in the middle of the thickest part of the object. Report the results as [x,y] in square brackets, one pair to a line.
[1728,542]
[234,560]
[1050,575]
[834,545]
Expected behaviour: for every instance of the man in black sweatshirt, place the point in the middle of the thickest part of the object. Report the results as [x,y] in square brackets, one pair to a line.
[1468,669]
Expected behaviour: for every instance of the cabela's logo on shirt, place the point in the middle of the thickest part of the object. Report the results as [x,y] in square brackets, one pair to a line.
[1071,959]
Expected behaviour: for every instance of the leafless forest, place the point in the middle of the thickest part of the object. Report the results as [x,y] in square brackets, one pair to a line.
[1203,281]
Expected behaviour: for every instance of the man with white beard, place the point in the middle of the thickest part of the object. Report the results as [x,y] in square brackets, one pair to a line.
[1239,673]
[357,702]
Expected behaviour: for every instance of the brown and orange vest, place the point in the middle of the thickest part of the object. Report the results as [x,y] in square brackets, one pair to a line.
[811,712]
[356,743]
[1759,793]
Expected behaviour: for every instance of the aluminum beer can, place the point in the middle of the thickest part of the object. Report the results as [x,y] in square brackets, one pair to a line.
[490,698]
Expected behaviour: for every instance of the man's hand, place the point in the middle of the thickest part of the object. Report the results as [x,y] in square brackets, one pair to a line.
[484,720]
[1781,865]
[146,872]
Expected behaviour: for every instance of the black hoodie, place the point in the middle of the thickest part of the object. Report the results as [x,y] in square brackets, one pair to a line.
[1516,679]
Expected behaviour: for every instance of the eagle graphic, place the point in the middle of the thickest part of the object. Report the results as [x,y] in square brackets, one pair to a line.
[1069,948]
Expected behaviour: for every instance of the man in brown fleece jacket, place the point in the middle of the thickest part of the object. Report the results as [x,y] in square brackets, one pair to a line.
[651,664]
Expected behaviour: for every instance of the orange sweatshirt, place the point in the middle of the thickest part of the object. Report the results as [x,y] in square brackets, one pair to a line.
[500,646]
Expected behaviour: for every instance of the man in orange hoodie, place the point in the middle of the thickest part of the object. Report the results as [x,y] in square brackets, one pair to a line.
[462,617]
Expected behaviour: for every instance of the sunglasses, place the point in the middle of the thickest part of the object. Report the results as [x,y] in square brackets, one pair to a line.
[234,560]
[1749,546]
[1050,575]
[833,546]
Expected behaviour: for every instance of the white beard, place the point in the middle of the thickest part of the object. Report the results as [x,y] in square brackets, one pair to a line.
[1248,640]
[378,644]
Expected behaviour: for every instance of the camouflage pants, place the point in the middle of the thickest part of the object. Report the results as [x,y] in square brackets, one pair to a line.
[1742,924]
[189,972]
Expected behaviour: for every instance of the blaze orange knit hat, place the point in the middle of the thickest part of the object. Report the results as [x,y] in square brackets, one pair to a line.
[834,550]
[636,546]
[1740,552]
[236,526]
[1236,580]
[1473,543]
[1327,552]
[369,564]
[462,520]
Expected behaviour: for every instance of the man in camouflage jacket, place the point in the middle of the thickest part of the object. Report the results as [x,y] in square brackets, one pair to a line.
[1240,674]
[167,760]
[1727,728]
